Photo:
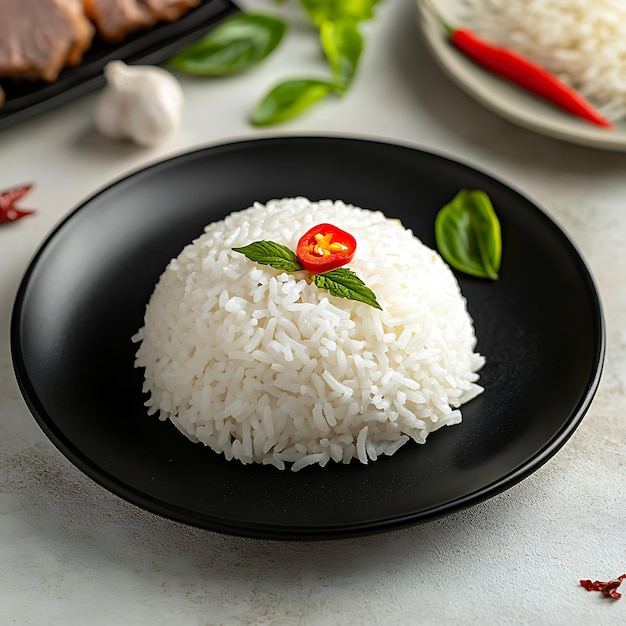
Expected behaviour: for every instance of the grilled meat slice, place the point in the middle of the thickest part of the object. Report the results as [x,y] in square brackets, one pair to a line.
[38,38]
[116,19]
[169,10]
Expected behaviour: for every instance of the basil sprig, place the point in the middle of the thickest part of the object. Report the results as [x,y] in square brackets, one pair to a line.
[468,236]
[341,282]
[334,10]
[271,253]
[344,283]
[342,44]
[288,99]
[237,44]
[245,39]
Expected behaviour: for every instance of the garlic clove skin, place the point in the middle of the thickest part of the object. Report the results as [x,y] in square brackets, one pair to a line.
[108,115]
[142,103]
[158,109]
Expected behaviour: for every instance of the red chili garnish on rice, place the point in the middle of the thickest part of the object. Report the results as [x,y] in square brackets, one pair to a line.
[521,70]
[8,211]
[325,247]
[609,589]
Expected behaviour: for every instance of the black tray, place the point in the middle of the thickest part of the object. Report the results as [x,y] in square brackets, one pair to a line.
[24,98]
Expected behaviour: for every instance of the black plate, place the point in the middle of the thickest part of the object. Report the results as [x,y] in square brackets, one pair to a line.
[540,327]
[24,99]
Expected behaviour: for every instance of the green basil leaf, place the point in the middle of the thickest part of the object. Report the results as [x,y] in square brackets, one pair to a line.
[271,253]
[344,283]
[342,44]
[238,43]
[468,234]
[288,99]
[336,10]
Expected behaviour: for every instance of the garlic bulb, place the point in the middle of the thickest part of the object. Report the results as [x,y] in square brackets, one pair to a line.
[142,103]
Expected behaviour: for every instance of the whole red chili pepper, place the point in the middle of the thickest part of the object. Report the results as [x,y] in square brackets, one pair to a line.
[524,72]
[8,211]
[521,70]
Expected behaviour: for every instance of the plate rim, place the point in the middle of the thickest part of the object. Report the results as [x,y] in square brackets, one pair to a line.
[274,530]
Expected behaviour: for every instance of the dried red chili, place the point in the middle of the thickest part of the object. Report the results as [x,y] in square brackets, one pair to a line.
[609,589]
[521,70]
[8,211]
[325,247]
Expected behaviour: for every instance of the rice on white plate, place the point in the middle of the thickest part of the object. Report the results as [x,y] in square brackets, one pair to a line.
[263,366]
[581,41]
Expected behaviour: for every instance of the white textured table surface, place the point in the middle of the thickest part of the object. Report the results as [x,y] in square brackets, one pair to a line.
[72,553]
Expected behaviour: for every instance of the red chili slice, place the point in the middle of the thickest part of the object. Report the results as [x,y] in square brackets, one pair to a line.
[325,247]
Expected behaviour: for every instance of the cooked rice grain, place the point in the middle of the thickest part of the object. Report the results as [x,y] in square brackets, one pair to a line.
[262,366]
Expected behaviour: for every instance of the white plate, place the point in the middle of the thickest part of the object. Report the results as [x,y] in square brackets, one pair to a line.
[505,98]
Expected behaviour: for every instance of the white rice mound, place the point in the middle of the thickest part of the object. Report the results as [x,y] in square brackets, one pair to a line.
[581,41]
[263,366]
